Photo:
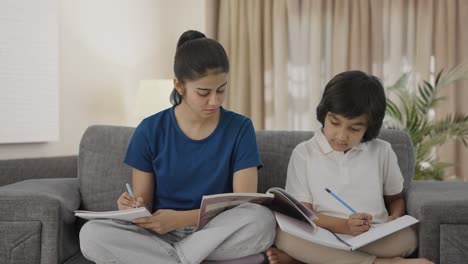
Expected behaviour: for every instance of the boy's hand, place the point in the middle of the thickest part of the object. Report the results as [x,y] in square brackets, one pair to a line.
[359,223]
[392,217]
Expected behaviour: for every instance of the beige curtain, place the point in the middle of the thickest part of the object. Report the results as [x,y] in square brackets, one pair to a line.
[243,29]
[450,43]
[283,52]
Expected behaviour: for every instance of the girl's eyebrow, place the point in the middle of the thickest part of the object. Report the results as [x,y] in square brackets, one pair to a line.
[204,89]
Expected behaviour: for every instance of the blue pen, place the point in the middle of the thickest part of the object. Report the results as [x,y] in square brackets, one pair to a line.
[129,190]
[342,202]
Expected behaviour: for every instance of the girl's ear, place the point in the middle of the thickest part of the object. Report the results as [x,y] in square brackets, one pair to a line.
[179,87]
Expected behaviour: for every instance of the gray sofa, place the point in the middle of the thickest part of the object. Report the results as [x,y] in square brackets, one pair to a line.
[38,196]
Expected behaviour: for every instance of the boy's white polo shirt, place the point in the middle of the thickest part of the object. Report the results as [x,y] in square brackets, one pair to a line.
[360,177]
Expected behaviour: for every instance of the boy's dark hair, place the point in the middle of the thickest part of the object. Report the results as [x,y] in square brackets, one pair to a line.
[352,94]
[195,56]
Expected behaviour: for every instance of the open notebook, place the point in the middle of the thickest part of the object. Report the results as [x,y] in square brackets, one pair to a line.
[327,238]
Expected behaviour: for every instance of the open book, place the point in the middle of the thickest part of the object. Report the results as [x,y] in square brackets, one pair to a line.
[124,215]
[275,198]
[348,242]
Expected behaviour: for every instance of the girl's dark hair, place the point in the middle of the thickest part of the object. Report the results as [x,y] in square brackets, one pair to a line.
[195,56]
[352,94]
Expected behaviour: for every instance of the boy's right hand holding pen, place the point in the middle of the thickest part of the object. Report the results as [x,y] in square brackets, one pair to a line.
[359,223]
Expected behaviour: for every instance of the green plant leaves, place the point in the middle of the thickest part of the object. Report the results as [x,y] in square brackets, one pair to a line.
[410,110]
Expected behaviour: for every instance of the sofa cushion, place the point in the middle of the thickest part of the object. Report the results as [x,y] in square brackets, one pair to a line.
[101,171]
[275,149]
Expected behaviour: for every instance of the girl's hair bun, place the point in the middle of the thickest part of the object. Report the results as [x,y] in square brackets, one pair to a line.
[188,36]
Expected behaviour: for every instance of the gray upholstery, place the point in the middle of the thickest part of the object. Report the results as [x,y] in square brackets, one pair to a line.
[37,168]
[49,205]
[37,224]
[101,171]
[442,208]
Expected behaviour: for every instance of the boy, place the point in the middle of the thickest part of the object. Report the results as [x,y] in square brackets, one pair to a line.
[346,157]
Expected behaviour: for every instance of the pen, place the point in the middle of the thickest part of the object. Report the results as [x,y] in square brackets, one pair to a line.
[129,190]
[342,202]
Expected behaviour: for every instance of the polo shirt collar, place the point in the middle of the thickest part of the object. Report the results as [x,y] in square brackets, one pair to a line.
[326,148]
[322,141]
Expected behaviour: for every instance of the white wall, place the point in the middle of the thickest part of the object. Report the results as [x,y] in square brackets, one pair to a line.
[106,47]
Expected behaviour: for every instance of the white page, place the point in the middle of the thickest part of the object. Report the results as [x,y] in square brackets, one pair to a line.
[125,215]
[379,231]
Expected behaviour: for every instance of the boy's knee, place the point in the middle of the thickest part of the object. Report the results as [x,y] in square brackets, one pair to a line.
[400,244]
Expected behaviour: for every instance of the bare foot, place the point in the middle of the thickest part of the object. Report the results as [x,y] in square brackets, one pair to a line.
[277,256]
[403,261]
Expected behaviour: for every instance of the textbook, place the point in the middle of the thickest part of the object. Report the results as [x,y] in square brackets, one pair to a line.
[275,198]
[124,215]
[347,242]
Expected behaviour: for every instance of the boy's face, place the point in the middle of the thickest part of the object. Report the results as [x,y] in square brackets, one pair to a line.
[343,133]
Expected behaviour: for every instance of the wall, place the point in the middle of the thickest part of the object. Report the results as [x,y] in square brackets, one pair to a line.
[106,47]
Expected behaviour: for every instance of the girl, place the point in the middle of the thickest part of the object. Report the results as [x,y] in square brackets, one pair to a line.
[178,155]
[346,157]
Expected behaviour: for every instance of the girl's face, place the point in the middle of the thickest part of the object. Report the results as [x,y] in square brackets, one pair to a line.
[205,95]
[342,133]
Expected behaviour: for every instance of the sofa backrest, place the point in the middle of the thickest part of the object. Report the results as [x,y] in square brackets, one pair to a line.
[102,173]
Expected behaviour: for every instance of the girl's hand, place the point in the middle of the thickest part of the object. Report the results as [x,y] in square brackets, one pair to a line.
[359,223]
[162,221]
[391,218]
[125,201]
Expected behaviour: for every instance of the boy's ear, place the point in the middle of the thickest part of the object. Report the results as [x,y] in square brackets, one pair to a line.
[179,87]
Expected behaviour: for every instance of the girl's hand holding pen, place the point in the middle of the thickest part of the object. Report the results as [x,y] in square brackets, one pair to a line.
[126,201]
[359,223]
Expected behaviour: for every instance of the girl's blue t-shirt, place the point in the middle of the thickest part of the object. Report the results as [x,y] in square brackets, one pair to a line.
[186,169]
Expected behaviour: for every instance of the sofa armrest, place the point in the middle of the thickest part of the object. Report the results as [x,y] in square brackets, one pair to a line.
[37,216]
[442,210]
[15,170]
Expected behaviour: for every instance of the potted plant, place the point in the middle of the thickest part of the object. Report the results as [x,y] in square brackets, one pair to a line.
[412,110]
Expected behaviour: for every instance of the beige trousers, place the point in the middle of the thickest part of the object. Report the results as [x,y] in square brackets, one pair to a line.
[399,244]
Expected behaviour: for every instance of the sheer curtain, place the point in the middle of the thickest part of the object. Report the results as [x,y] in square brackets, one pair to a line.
[283,53]
[450,47]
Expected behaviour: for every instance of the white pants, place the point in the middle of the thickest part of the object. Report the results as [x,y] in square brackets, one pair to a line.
[242,231]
